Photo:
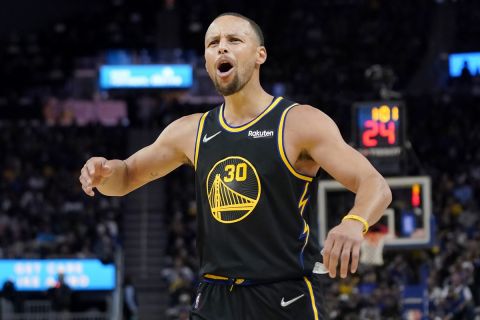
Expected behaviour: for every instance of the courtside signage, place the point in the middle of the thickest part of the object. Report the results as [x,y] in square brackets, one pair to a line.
[146,76]
[40,275]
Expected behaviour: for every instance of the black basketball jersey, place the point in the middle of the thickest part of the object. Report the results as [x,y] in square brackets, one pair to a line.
[256,217]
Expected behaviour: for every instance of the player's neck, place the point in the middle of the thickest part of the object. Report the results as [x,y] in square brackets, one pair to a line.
[246,105]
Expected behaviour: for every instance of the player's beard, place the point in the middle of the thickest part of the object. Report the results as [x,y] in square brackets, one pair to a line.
[230,88]
[237,83]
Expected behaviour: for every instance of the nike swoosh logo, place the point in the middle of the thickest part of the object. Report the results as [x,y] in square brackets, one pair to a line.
[206,139]
[284,303]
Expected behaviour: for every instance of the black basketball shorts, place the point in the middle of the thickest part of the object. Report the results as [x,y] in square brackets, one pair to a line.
[300,299]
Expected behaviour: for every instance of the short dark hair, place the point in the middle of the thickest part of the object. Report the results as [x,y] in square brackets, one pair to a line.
[256,28]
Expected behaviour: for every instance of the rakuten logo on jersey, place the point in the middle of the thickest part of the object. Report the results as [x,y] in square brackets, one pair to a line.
[260,134]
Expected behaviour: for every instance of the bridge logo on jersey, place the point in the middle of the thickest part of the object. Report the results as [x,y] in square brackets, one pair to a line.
[233,189]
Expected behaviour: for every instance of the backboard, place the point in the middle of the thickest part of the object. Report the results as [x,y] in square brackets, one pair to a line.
[406,222]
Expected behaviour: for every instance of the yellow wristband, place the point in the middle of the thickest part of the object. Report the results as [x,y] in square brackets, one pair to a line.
[358,218]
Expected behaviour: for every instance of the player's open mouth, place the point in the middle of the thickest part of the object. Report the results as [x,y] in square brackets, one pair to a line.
[224,69]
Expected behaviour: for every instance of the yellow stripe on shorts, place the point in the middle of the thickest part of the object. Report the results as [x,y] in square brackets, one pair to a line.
[312,297]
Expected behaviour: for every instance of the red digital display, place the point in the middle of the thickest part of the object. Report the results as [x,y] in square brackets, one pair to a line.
[415,195]
[378,125]
[374,129]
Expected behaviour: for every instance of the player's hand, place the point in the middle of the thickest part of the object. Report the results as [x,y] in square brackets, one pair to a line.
[94,173]
[342,243]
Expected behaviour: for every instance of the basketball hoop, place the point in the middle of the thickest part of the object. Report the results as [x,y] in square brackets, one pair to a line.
[371,252]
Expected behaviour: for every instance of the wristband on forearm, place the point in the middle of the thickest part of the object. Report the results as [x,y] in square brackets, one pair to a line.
[358,218]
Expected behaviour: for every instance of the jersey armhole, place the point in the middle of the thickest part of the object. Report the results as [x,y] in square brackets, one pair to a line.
[281,146]
[198,139]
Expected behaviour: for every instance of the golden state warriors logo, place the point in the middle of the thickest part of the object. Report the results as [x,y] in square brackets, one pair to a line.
[233,189]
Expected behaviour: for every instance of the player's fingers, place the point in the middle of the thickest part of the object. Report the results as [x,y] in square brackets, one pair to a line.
[327,248]
[90,165]
[355,257]
[85,175]
[88,190]
[345,259]
[106,170]
[86,182]
[334,255]
[81,179]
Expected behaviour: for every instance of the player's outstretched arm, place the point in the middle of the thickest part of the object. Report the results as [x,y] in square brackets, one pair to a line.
[174,147]
[318,136]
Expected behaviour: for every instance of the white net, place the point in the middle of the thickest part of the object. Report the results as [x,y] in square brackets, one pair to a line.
[371,252]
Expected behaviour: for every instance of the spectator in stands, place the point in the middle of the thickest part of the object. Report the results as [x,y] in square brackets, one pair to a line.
[130,300]
[466,75]
[61,296]
[10,294]
[457,299]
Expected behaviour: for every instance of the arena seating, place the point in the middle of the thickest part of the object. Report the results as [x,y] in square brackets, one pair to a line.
[43,212]
[319,52]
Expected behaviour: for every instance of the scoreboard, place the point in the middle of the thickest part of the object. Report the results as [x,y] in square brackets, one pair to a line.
[379,133]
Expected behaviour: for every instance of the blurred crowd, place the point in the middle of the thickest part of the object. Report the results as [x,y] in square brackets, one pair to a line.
[326,53]
[181,264]
[467,28]
[43,211]
[58,60]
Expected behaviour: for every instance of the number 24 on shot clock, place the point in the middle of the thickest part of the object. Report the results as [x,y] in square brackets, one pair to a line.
[379,124]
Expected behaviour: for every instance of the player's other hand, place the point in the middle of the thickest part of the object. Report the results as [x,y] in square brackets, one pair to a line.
[93,173]
[342,248]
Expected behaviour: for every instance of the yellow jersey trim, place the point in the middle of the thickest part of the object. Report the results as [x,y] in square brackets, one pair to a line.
[312,297]
[225,126]
[214,277]
[198,140]
[282,151]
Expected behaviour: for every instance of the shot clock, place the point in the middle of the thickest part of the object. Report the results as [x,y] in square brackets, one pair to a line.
[378,133]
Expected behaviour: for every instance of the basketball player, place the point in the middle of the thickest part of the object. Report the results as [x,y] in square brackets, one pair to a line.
[255,159]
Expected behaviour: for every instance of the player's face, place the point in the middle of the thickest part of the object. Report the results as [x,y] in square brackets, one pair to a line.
[232,53]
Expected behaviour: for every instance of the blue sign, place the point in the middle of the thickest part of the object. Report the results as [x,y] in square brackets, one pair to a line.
[146,76]
[39,275]
[457,61]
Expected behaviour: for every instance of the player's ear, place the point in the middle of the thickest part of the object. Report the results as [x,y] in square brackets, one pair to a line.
[261,55]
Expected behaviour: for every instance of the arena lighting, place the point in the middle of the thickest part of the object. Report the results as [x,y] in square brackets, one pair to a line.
[415,195]
[456,62]
[41,274]
[152,76]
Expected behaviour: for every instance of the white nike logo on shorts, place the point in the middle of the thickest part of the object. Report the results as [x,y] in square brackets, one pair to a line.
[284,303]
[206,139]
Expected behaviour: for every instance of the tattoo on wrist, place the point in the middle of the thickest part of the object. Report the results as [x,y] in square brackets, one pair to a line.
[154,174]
